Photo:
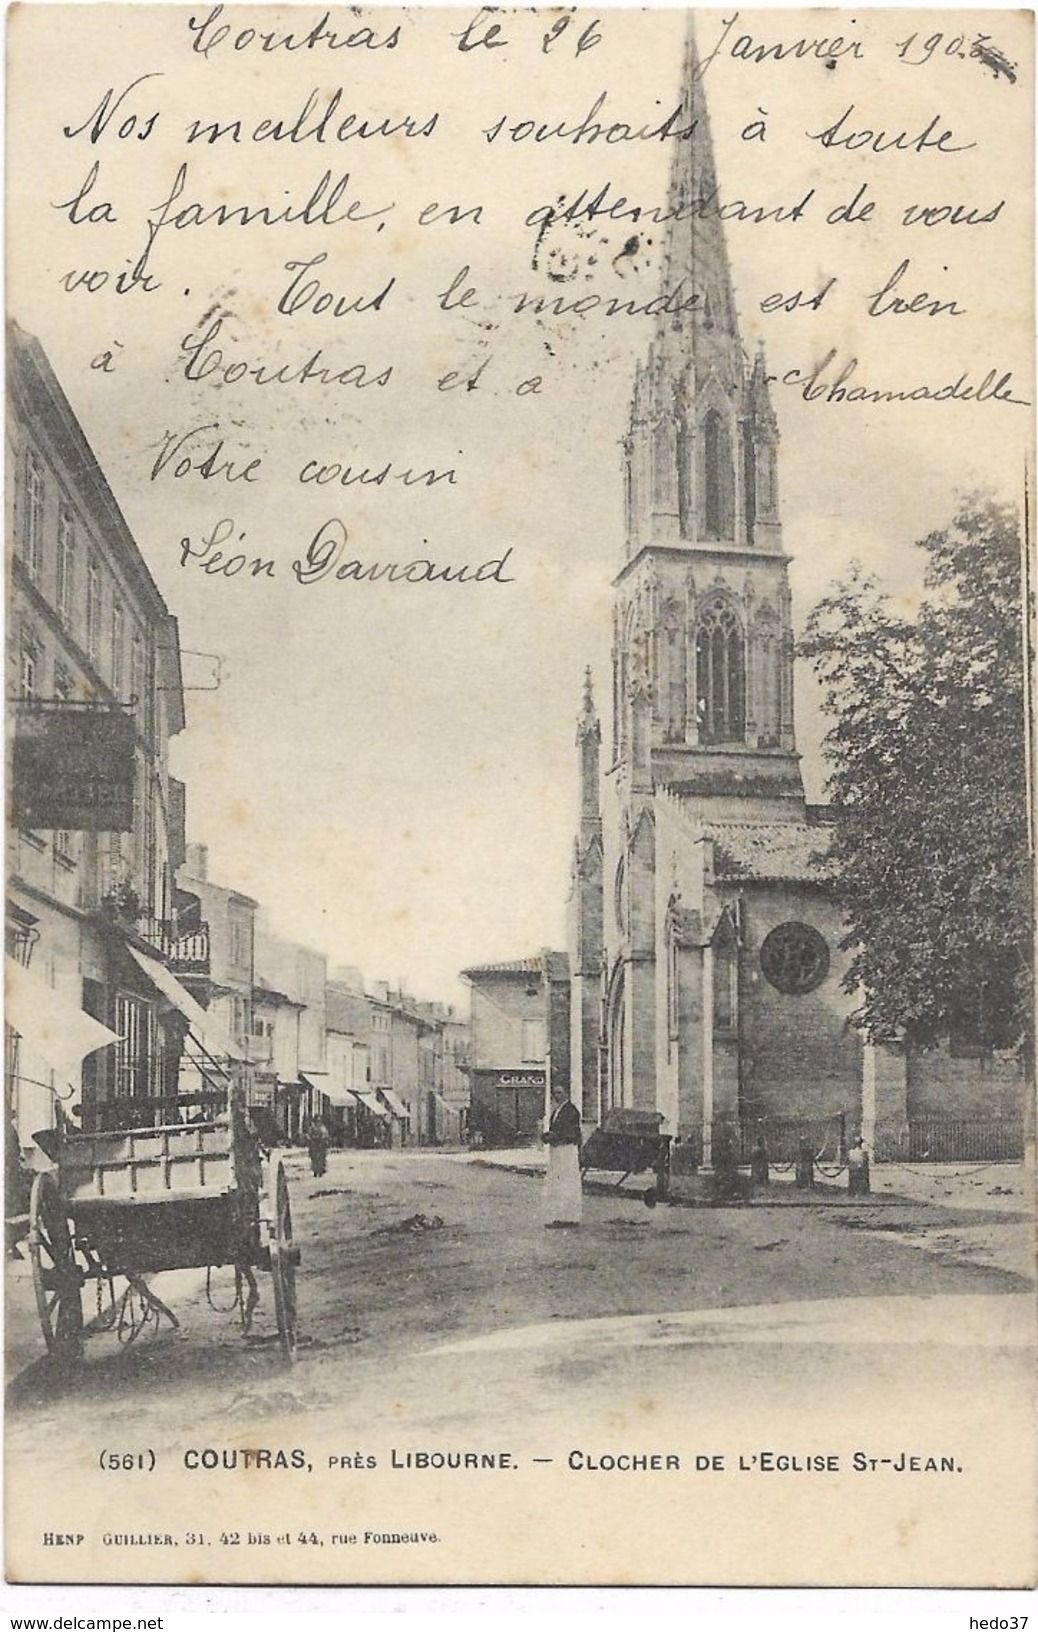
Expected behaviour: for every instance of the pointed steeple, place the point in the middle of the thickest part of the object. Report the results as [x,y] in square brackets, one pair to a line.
[691,430]
[588,723]
[760,408]
[589,737]
[695,252]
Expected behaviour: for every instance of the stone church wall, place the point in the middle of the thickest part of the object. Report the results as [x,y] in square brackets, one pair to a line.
[800,1056]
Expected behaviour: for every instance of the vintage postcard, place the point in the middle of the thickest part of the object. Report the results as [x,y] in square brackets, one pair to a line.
[519,1053]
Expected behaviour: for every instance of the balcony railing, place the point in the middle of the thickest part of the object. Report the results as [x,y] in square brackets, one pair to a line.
[186,953]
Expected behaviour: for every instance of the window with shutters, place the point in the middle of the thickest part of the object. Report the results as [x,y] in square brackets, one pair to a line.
[32,531]
[66,596]
[93,610]
[118,648]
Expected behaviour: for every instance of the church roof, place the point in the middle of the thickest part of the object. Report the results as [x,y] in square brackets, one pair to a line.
[769,852]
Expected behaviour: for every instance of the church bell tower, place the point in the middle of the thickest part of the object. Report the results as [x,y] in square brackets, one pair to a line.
[702,644]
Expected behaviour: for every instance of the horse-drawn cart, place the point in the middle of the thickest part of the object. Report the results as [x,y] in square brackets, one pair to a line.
[126,1201]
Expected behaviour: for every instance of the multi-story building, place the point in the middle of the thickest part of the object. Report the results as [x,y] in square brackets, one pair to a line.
[395,1063]
[216,944]
[347,1018]
[452,1111]
[298,974]
[93,667]
[274,1055]
[519,1046]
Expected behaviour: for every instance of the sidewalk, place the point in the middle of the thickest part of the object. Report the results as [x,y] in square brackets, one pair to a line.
[998,1187]
[920,1208]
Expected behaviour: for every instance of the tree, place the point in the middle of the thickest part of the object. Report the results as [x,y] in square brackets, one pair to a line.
[931,842]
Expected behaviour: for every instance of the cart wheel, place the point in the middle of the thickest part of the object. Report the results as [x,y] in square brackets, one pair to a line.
[56,1276]
[283,1259]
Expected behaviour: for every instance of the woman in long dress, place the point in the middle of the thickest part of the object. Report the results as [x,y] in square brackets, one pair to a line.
[562,1196]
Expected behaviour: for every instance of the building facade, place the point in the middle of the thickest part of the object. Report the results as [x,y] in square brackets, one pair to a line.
[519,1046]
[453,1113]
[298,976]
[93,668]
[347,1017]
[220,966]
[277,1090]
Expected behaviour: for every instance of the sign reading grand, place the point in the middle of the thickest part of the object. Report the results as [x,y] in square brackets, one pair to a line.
[73,768]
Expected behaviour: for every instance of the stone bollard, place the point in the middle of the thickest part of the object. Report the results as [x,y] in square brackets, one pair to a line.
[760,1171]
[805,1165]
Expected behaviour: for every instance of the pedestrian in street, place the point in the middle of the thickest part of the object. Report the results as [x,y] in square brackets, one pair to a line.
[317,1145]
[563,1199]
[858,1169]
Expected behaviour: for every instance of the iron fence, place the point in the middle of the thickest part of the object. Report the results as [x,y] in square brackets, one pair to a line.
[951,1139]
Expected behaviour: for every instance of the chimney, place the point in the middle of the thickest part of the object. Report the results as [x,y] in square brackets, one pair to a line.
[197,864]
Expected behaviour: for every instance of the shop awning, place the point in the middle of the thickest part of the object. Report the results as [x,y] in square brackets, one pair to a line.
[371,1104]
[51,1024]
[205,1028]
[452,1110]
[396,1105]
[323,1083]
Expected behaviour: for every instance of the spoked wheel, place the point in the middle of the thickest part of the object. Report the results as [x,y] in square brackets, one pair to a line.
[284,1256]
[56,1277]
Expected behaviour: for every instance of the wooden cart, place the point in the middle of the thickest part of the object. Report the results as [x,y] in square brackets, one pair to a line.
[629,1142]
[124,1202]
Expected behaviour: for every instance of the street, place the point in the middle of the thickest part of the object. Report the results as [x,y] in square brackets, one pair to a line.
[438,1314]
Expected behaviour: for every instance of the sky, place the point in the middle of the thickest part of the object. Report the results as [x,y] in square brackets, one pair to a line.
[390,769]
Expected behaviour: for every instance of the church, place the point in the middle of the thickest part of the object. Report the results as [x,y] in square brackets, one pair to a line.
[705,933]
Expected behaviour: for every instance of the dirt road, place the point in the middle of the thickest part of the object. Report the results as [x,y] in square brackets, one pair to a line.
[437,1312]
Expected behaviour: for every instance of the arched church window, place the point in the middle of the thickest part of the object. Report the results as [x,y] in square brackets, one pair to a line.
[720,675]
[717,477]
[672,676]
[686,483]
[725,987]
[794,958]
[749,484]
[620,896]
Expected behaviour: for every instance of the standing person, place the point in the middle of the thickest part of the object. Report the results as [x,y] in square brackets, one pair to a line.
[858,1169]
[563,1198]
[317,1144]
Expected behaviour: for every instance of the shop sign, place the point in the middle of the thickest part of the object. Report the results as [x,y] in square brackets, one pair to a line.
[73,768]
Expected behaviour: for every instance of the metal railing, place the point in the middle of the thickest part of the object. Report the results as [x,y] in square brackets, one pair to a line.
[951,1139]
[186,954]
